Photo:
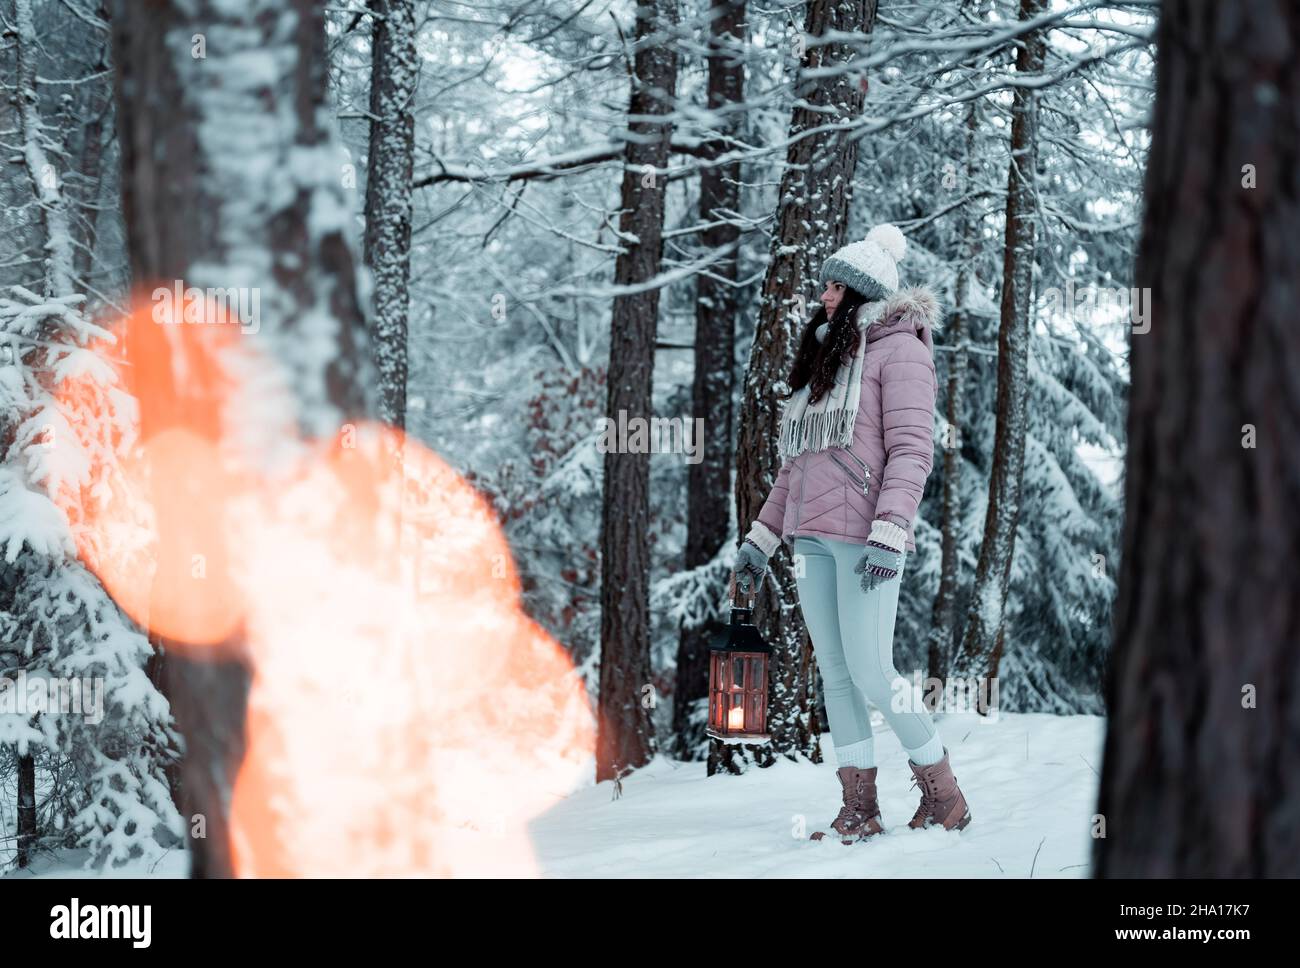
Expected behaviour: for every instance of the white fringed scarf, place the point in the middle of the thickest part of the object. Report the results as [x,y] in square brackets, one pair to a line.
[829,421]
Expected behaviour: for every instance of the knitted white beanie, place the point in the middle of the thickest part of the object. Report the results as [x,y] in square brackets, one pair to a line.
[869,266]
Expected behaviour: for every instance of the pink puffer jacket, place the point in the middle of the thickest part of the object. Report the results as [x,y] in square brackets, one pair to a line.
[838,492]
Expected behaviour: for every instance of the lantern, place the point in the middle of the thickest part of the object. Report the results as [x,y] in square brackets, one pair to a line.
[738,680]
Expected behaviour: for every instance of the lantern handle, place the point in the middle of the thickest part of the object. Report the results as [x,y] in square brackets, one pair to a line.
[753,593]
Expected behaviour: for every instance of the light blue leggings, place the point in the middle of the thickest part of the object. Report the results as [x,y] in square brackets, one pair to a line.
[853,638]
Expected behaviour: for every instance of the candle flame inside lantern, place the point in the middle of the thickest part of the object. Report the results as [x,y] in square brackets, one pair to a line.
[736,718]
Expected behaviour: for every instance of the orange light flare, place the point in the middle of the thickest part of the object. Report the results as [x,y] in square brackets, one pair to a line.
[406,716]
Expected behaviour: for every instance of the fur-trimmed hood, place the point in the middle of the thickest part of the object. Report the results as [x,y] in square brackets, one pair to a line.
[915,310]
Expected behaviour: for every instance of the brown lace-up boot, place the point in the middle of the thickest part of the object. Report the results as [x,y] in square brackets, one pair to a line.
[942,802]
[859,818]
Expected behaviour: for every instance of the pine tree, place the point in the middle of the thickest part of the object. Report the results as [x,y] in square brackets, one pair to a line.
[288,239]
[546,497]
[625,737]
[394,77]
[717,304]
[811,223]
[981,646]
[66,428]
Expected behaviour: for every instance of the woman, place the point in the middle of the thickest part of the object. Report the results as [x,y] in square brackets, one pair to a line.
[856,445]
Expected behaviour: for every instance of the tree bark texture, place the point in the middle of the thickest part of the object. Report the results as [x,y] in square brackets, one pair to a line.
[1203,687]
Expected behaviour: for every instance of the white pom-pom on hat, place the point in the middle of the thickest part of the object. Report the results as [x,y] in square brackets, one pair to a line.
[889,238]
[871,265]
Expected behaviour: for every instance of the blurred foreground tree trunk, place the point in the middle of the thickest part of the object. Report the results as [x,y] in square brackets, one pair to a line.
[1203,686]
[229,180]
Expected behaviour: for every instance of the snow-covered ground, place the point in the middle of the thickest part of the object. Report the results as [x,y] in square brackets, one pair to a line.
[1030,780]
[70,864]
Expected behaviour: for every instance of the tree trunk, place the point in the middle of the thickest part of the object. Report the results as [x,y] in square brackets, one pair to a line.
[811,222]
[247,208]
[709,481]
[625,731]
[57,273]
[1201,688]
[981,645]
[91,164]
[26,809]
[943,627]
[394,74]
[47,181]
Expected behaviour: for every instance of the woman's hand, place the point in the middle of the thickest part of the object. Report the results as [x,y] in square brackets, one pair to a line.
[748,571]
[883,557]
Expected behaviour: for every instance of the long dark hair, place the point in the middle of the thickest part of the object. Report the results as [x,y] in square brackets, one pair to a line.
[816,363]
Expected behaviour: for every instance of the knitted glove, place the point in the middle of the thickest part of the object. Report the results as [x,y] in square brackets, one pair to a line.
[751,560]
[883,556]
[748,571]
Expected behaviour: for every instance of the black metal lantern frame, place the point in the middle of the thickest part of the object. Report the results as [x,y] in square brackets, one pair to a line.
[738,670]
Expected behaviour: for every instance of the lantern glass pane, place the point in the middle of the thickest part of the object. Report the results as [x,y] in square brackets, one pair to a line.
[738,672]
[718,683]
